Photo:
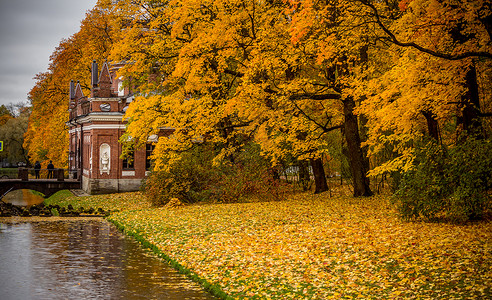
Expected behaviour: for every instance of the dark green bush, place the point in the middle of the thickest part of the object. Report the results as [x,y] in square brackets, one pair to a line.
[249,174]
[194,178]
[184,180]
[446,183]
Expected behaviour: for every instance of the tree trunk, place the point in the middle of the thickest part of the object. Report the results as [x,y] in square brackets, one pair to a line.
[304,177]
[364,137]
[356,158]
[432,125]
[319,176]
[471,105]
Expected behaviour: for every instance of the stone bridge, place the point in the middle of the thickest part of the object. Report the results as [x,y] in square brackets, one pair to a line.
[46,186]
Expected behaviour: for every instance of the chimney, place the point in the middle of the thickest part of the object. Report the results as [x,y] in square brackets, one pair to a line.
[72,90]
[94,73]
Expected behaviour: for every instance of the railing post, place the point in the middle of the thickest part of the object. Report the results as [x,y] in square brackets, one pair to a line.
[23,174]
[60,175]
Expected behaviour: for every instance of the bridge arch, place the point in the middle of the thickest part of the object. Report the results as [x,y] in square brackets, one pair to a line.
[46,187]
[13,189]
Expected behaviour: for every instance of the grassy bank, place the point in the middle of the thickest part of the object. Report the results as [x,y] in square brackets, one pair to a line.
[310,247]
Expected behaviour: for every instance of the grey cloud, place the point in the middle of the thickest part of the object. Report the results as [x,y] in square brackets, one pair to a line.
[30,30]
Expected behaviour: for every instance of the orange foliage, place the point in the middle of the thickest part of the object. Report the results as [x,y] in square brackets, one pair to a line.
[280,72]
[47,136]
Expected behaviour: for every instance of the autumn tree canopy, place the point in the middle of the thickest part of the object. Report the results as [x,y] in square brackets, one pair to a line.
[299,78]
[47,136]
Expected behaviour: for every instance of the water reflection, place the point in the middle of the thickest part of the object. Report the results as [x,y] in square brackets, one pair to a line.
[83,260]
[22,198]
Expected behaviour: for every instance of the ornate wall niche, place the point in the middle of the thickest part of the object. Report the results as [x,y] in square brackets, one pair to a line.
[104,159]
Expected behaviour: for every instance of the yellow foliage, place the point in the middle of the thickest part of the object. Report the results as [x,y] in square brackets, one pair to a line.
[278,72]
[313,247]
[412,82]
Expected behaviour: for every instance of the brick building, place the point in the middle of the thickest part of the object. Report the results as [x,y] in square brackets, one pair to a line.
[95,126]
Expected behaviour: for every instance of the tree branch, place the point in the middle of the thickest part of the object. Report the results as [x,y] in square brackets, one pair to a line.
[234,73]
[315,96]
[324,128]
[392,38]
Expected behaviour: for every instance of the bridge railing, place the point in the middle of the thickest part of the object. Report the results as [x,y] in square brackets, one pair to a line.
[55,174]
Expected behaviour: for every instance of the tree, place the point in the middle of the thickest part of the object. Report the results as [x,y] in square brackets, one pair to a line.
[12,135]
[5,114]
[186,70]
[47,135]
[311,77]
[435,80]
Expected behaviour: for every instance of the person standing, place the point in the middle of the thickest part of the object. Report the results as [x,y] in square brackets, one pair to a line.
[37,168]
[51,167]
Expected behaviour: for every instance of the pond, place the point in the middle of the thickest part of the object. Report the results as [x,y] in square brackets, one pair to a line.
[83,259]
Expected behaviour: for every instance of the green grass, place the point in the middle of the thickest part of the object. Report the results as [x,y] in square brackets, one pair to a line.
[60,198]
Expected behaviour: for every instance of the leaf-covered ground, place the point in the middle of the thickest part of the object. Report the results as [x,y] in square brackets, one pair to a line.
[313,247]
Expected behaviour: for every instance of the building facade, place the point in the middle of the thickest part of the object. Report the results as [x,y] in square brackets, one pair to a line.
[95,127]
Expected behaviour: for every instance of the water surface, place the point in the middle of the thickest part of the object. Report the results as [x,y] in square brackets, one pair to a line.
[22,198]
[87,259]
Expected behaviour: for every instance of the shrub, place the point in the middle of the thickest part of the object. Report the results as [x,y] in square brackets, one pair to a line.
[470,169]
[250,174]
[184,179]
[447,183]
[195,178]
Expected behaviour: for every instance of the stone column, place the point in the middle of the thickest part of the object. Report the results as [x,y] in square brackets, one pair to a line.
[23,174]
[60,174]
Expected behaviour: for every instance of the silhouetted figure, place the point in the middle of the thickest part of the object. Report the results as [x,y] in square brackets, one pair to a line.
[37,168]
[51,167]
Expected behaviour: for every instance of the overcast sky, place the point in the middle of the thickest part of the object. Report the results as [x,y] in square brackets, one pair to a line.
[30,30]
